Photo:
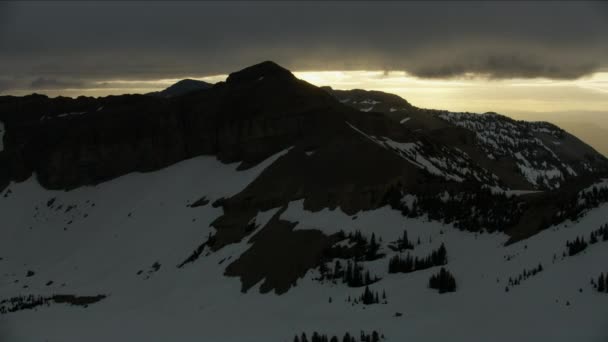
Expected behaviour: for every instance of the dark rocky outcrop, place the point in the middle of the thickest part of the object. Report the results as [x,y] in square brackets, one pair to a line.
[73,142]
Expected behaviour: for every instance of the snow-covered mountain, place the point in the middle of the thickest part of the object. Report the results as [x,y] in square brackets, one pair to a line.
[543,155]
[266,203]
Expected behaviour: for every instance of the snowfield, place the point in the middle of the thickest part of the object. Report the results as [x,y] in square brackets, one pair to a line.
[94,240]
[502,137]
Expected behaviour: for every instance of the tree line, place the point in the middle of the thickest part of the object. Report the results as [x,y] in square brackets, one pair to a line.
[580,244]
[369,297]
[32,301]
[407,264]
[353,275]
[472,210]
[574,207]
[374,336]
[360,249]
[403,243]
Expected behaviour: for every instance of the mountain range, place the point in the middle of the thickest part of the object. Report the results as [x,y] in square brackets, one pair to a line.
[294,209]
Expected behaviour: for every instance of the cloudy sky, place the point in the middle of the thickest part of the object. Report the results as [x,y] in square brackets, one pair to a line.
[512,57]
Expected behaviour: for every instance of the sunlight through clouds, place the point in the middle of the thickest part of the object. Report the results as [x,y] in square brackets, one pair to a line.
[475,94]
[466,94]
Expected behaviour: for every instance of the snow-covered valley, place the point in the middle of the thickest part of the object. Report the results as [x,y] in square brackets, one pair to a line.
[124,239]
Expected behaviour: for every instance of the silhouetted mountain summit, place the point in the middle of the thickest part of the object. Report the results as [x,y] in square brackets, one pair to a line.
[260,71]
[182,87]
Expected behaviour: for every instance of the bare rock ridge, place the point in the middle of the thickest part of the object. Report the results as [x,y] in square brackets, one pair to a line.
[353,150]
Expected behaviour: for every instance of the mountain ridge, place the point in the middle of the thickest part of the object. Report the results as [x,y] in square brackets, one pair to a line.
[369,212]
[356,147]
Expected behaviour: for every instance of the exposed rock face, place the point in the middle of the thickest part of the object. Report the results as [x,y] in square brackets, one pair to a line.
[69,143]
[85,141]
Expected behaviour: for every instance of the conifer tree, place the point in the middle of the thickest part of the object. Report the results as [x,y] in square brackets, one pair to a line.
[592,238]
[444,281]
[337,269]
[348,276]
[323,270]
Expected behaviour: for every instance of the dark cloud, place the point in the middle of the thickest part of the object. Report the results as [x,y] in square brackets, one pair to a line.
[52,83]
[505,66]
[6,85]
[98,41]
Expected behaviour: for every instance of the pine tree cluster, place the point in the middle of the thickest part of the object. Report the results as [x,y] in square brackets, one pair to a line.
[514,281]
[354,275]
[369,297]
[576,246]
[600,234]
[374,336]
[580,244]
[574,207]
[601,284]
[443,281]
[475,210]
[361,249]
[402,243]
[398,264]
[471,210]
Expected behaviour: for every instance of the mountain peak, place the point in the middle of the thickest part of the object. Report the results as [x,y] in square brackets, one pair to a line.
[258,72]
[182,87]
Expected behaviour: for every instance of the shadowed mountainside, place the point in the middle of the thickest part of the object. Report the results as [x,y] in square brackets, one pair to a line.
[356,150]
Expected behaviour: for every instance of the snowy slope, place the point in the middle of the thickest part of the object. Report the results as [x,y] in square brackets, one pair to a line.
[447,163]
[523,155]
[126,225]
[501,137]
